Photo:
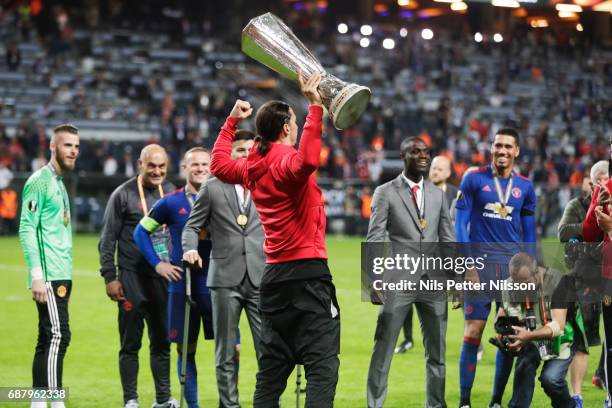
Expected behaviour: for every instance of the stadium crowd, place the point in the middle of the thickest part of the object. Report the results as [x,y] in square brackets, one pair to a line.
[174,87]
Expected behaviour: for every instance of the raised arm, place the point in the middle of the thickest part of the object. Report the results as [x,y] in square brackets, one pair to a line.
[590,230]
[299,166]
[222,166]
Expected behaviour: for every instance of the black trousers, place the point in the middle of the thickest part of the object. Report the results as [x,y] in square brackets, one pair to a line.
[146,300]
[606,312]
[300,325]
[53,336]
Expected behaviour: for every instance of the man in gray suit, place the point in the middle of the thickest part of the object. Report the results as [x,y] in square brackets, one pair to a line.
[410,210]
[236,264]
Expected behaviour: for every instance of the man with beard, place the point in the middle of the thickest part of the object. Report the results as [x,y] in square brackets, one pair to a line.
[173,211]
[45,233]
[496,204]
[139,290]
[410,210]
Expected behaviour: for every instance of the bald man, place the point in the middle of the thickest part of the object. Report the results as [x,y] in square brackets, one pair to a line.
[140,292]
[439,173]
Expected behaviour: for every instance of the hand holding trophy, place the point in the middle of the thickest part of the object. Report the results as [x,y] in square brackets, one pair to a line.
[268,40]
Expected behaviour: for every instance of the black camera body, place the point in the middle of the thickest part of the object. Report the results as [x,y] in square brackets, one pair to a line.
[503,326]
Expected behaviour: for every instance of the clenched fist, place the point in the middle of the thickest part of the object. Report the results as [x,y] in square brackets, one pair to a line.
[241,110]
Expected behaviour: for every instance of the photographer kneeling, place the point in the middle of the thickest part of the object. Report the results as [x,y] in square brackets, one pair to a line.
[543,324]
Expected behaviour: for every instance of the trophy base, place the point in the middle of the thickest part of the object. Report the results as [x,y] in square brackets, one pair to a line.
[348,105]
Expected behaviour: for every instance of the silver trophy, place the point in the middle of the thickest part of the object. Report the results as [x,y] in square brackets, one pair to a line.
[268,40]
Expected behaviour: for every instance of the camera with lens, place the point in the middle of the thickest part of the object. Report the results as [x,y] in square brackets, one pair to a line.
[503,327]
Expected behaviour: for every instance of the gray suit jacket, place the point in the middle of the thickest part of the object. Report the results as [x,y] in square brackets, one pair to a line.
[235,250]
[395,216]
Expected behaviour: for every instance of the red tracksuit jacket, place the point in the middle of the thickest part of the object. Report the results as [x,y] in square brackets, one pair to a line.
[284,191]
[592,233]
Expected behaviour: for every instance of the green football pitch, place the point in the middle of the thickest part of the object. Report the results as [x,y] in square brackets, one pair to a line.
[91,364]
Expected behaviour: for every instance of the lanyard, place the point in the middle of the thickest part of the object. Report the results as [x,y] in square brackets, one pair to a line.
[143,201]
[244,204]
[505,196]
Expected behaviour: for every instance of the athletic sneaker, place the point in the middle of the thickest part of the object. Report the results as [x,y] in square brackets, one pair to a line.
[171,403]
[404,347]
[496,405]
[607,404]
[132,404]
[578,400]
[465,406]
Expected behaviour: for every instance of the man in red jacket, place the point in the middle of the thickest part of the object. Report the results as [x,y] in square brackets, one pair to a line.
[596,227]
[299,311]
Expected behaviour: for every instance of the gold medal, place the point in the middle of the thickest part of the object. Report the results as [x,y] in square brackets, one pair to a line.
[423,223]
[503,211]
[66,218]
[607,300]
[242,220]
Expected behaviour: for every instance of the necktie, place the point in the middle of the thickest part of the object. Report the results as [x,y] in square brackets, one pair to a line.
[415,190]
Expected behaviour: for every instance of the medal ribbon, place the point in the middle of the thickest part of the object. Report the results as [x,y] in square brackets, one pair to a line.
[143,201]
[421,209]
[505,196]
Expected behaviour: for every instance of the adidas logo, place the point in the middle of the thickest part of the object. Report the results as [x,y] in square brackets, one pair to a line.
[182,211]
[486,188]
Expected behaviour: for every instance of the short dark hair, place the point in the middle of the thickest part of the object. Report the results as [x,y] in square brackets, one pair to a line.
[269,122]
[66,127]
[508,131]
[244,134]
[407,141]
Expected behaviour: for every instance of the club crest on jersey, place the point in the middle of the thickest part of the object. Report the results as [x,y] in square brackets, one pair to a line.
[32,206]
[182,211]
[486,188]
[497,212]
[61,291]
[516,192]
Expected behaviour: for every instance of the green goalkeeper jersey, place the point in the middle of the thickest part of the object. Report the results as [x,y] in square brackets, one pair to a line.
[45,231]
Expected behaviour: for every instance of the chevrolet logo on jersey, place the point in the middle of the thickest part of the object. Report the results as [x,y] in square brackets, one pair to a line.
[495,211]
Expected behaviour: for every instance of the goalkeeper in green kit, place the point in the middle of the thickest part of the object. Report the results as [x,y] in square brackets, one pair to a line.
[45,233]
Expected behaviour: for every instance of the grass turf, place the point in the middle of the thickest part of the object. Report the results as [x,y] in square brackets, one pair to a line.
[91,364]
